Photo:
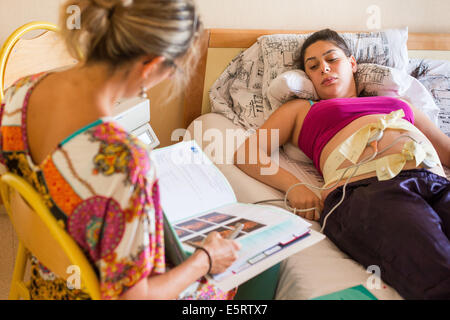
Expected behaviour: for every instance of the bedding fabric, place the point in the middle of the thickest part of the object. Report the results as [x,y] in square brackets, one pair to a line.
[237,93]
[407,236]
[435,77]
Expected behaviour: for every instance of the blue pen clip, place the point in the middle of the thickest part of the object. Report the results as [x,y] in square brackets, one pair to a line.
[194,149]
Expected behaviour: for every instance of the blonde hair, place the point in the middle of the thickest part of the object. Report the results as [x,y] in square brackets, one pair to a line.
[119,31]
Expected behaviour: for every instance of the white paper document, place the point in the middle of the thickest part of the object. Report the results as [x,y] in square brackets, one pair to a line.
[197,199]
[189,182]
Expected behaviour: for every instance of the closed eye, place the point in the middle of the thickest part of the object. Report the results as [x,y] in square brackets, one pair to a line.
[329,60]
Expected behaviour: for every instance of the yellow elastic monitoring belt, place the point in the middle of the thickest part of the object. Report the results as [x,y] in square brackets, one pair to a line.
[386,167]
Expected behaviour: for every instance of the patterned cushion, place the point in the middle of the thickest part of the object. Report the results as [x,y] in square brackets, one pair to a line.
[435,76]
[237,93]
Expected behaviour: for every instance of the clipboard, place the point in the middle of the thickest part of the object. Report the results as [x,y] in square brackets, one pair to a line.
[172,246]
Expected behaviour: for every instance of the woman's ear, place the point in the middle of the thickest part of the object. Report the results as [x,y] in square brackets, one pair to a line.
[353,63]
[149,65]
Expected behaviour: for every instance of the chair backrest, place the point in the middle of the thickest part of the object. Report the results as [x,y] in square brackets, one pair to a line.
[40,233]
[21,57]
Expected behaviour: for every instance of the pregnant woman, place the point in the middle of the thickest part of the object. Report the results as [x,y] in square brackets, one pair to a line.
[394,211]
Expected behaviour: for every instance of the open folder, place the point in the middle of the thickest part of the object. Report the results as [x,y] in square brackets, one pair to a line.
[197,199]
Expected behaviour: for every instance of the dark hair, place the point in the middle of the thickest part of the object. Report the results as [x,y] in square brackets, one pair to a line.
[323,35]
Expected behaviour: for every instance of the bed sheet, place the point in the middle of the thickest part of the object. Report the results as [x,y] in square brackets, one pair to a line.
[315,271]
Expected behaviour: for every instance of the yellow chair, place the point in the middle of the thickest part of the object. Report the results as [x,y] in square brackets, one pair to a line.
[20,57]
[37,229]
[40,233]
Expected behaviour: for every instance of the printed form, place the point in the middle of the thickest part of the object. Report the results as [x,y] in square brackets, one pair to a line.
[197,199]
[189,182]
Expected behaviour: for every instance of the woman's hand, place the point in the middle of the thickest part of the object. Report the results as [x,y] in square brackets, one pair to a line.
[301,197]
[169,285]
[223,252]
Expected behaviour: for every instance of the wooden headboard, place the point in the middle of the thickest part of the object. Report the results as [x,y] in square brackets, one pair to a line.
[244,38]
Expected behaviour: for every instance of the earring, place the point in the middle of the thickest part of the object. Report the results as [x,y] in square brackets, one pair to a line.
[143,93]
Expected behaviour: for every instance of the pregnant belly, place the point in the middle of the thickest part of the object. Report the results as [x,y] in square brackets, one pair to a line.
[388,137]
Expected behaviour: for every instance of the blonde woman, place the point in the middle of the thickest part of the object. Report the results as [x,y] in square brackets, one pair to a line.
[57,132]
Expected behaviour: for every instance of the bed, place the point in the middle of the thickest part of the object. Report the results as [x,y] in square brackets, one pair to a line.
[322,268]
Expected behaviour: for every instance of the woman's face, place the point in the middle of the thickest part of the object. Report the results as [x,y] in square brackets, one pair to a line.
[330,70]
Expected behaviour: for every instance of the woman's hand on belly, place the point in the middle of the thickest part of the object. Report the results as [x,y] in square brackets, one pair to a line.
[301,197]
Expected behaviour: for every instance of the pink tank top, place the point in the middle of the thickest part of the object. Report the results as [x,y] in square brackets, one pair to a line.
[328,117]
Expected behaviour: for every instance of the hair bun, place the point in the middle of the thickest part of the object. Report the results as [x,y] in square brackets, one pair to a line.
[125,3]
[112,4]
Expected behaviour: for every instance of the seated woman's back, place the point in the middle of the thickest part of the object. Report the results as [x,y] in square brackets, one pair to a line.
[62,100]
[96,179]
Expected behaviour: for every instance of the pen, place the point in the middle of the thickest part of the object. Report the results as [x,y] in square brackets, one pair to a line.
[238,228]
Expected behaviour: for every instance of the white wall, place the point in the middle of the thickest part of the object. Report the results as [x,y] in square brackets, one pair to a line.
[418,15]
[351,15]
[14,13]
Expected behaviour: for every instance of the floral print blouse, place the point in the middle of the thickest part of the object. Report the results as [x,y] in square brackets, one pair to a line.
[99,182]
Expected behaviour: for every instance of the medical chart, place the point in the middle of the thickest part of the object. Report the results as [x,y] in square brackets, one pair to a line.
[197,200]
[189,182]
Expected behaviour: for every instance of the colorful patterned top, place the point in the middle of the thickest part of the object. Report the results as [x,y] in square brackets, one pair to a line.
[100,183]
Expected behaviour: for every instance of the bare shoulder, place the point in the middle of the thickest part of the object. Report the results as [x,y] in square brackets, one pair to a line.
[296,103]
[286,115]
[289,111]
[300,107]
[289,117]
[293,108]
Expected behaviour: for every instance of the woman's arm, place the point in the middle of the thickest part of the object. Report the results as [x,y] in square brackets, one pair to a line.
[440,141]
[253,156]
[169,285]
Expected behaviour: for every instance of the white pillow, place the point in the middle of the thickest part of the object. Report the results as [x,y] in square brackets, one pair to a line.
[371,80]
[290,85]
